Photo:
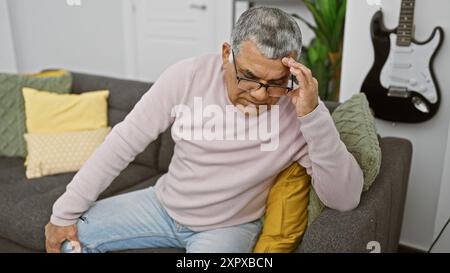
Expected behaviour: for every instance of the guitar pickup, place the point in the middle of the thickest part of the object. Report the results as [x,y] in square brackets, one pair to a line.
[398,92]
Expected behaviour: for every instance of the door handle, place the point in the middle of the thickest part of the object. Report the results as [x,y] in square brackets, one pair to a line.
[198,6]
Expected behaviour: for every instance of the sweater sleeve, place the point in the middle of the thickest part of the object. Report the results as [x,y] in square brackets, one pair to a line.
[336,175]
[149,117]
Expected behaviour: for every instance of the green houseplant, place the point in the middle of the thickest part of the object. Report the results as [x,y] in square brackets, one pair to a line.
[324,54]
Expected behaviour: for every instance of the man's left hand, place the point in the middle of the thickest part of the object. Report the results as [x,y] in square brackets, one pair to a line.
[305,97]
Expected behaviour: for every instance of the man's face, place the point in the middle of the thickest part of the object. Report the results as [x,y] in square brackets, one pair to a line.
[251,64]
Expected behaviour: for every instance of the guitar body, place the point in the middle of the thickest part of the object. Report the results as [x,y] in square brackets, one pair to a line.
[401,85]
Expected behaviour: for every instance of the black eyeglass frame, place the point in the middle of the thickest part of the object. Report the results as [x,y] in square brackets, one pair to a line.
[266,86]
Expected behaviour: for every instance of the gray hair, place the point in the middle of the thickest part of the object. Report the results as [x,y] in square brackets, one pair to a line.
[275,33]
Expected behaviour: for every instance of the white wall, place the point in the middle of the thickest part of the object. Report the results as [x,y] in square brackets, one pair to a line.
[7,54]
[443,245]
[96,37]
[223,14]
[50,33]
[430,138]
[443,213]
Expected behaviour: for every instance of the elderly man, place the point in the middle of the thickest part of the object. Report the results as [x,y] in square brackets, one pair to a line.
[214,194]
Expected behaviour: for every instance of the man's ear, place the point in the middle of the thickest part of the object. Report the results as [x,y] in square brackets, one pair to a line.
[226,53]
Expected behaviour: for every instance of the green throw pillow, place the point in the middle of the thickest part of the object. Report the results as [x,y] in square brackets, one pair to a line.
[356,126]
[315,206]
[12,111]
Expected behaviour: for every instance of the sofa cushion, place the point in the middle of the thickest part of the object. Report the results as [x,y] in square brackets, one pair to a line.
[286,214]
[61,152]
[356,126]
[27,204]
[49,112]
[124,94]
[12,112]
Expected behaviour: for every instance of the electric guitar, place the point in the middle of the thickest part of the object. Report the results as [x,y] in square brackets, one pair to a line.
[401,85]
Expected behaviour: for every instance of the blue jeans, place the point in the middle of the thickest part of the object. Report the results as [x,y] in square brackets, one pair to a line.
[137,220]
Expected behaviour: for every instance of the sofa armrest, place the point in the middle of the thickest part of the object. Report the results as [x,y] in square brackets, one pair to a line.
[331,105]
[379,214]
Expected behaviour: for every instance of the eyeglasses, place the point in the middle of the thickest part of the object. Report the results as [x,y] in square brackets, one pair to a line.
[249,85]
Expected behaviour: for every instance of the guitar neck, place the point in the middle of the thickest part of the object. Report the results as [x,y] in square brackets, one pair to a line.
[406,22]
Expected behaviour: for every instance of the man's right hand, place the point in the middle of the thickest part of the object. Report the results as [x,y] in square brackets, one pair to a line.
[56,235]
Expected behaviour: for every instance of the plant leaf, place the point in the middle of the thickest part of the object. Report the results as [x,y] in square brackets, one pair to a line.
[319,21]
[324,9]
[339,27]
[333,6]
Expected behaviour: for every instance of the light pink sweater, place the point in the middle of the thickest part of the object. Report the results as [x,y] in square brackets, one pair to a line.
[215,183]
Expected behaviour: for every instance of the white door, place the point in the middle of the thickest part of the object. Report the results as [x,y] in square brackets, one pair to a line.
[171,30]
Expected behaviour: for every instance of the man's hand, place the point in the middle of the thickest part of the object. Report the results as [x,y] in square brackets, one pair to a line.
[56,235]
[305,98]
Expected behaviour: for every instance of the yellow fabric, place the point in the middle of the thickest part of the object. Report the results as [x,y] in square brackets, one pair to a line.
[53,73]
[53,153]
[50,112]
[286,216]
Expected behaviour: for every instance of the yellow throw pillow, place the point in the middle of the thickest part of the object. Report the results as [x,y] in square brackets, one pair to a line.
[286,215]
[53,153]
[50,112]
[50,73]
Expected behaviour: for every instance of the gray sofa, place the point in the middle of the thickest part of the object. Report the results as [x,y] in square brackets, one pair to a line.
[25,205]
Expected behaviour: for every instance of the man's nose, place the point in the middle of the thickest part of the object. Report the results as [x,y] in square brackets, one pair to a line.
[260,94]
